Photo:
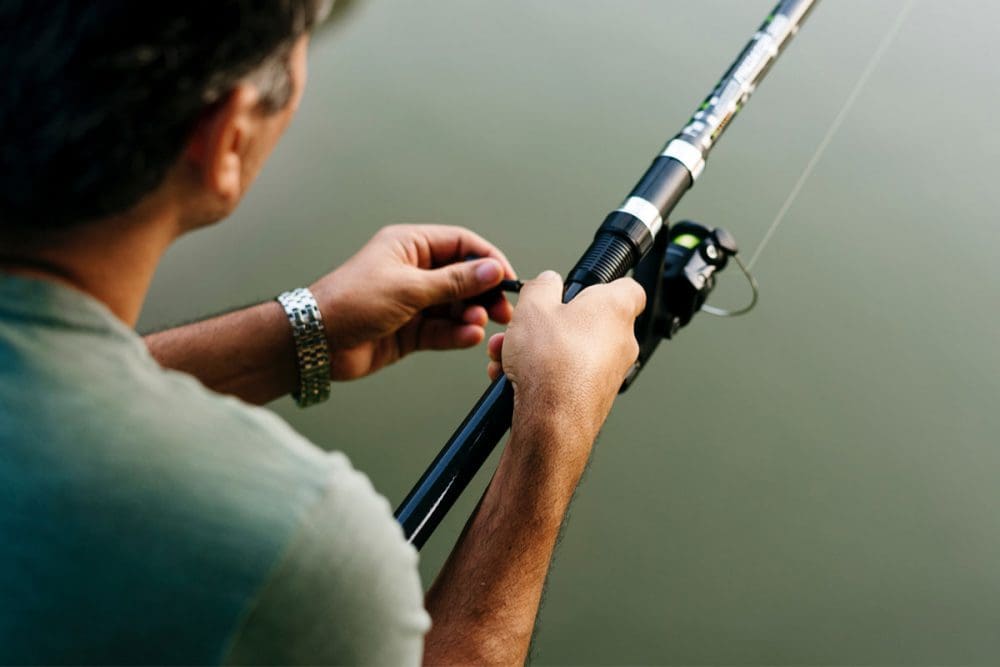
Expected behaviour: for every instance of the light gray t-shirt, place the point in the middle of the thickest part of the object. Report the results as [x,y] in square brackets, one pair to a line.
[144,518]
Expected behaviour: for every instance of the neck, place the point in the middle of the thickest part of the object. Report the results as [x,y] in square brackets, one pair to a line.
[112,260]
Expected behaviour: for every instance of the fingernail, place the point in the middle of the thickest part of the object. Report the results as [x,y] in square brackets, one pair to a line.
[549,275]
[488,272]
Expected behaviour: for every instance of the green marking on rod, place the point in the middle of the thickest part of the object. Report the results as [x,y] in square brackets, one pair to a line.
[689,241]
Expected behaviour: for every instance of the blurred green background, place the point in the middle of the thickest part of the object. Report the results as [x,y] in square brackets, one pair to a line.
[818,482]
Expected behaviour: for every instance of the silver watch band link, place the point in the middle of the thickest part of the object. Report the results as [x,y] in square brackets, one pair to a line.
[311,348]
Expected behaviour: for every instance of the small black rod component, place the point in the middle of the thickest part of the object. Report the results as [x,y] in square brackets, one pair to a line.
[625,236]
[511,285]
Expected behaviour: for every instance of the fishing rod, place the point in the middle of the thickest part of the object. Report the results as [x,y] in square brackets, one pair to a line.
[677,267]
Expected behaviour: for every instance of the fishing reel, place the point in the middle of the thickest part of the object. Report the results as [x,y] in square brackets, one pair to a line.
[678,274]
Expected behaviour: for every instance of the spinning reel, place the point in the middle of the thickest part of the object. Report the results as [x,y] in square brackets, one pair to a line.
[678,274]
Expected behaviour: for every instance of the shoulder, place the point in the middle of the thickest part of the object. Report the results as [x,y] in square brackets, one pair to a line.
[346,587]
[142,489]
[346,591]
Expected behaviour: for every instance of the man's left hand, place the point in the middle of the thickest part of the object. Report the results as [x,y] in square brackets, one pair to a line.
[408,289]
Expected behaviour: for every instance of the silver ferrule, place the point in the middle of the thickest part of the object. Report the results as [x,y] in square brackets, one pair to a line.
[646,213]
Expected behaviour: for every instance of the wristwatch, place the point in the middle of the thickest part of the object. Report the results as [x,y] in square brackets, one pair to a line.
[311,347]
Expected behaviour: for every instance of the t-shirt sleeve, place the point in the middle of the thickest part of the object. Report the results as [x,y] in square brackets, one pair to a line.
[346,591]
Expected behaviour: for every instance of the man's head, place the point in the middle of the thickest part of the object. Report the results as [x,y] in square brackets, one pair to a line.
[107,101]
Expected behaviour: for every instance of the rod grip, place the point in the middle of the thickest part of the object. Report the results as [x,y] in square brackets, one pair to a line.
[609,257]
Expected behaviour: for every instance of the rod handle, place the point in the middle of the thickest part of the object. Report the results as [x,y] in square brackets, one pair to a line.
[609,257]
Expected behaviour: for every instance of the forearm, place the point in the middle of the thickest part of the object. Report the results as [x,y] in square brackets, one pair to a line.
[249,353]
[486,597]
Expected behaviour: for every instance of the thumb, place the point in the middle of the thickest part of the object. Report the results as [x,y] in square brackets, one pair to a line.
[461,280]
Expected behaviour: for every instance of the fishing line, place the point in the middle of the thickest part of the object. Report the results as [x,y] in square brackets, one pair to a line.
[855,93]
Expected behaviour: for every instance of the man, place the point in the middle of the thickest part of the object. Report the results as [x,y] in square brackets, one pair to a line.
[148,516]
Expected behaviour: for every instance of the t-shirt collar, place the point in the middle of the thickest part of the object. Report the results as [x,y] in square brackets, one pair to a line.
[45,301]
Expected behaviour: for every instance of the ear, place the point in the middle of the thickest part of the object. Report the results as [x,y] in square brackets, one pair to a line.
[219,146]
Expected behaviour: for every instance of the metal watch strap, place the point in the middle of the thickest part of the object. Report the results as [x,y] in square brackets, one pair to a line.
[310,346]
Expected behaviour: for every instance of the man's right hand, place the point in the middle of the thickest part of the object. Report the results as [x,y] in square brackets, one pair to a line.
[567,362]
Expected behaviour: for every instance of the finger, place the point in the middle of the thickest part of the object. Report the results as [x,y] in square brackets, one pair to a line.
[447,335]
[501,311]
[459,281]
[626,294]
[631,294]
[446,244]
[475,315]
[494,369]
[494,348]
[546,288]
[457,311]
[497,305]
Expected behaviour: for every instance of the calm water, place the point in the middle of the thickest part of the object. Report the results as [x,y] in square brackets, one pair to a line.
[818,482]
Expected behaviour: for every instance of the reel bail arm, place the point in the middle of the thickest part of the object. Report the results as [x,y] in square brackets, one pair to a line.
[677,274]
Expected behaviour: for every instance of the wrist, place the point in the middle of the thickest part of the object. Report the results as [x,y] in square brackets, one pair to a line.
[329,302]
[549,449]
[538,491]
[571,416]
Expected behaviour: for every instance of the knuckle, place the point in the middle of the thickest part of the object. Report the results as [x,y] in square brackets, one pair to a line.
[630,292]
[631,303]
[639,294]
[457,282]
[389,231]
[549,276]
[595,297]
[531,297]
[624,307]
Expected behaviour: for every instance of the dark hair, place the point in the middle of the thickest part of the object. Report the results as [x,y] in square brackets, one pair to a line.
[100,96]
